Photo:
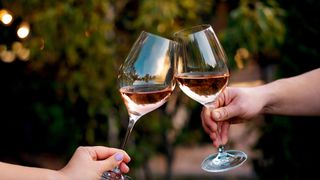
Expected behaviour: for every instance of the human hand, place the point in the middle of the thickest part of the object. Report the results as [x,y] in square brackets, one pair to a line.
[90,162]
[234,105]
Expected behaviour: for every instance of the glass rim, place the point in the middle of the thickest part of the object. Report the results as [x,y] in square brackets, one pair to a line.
[193,29]
[155,35]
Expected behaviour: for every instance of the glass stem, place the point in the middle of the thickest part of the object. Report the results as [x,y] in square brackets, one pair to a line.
[221,149]
[132,122]
[221,158]
[128,132]
[221,153]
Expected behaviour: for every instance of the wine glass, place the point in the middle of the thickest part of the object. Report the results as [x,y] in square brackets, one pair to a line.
[146,80]
[202,74]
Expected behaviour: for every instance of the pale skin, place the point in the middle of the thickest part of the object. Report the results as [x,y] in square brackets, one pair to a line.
[295,96]
[87,163]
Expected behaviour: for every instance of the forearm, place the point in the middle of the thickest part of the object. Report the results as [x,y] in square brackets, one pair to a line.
[299,95]
[11,171]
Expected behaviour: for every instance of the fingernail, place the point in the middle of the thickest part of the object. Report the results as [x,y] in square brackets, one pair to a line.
[216,115]
[119,156]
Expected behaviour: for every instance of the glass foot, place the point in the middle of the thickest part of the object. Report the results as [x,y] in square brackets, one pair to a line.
[224,161]
[111,175]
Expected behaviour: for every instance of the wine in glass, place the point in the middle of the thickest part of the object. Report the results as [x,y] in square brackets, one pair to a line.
[202,74]
[146,80]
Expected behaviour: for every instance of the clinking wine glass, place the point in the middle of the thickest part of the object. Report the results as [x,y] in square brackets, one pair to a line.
[202,74]
[146,80]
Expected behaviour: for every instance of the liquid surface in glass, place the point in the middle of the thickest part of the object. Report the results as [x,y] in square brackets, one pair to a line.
[202,87]
[142,99]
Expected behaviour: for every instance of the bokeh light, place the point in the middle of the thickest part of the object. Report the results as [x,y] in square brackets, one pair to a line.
[5,17]
[21,52]
[23,30]
[7,56]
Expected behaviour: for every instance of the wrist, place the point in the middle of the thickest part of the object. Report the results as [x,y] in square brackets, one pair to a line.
[55,174]
[271,95]
[266,95]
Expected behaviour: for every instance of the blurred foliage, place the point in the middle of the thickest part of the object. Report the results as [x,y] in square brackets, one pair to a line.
[66,95]
[288,143]
[72,55]
[280,33]
[256,27]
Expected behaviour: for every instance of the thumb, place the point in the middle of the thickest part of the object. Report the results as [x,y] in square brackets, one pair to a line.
[113,161]
[224,113]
